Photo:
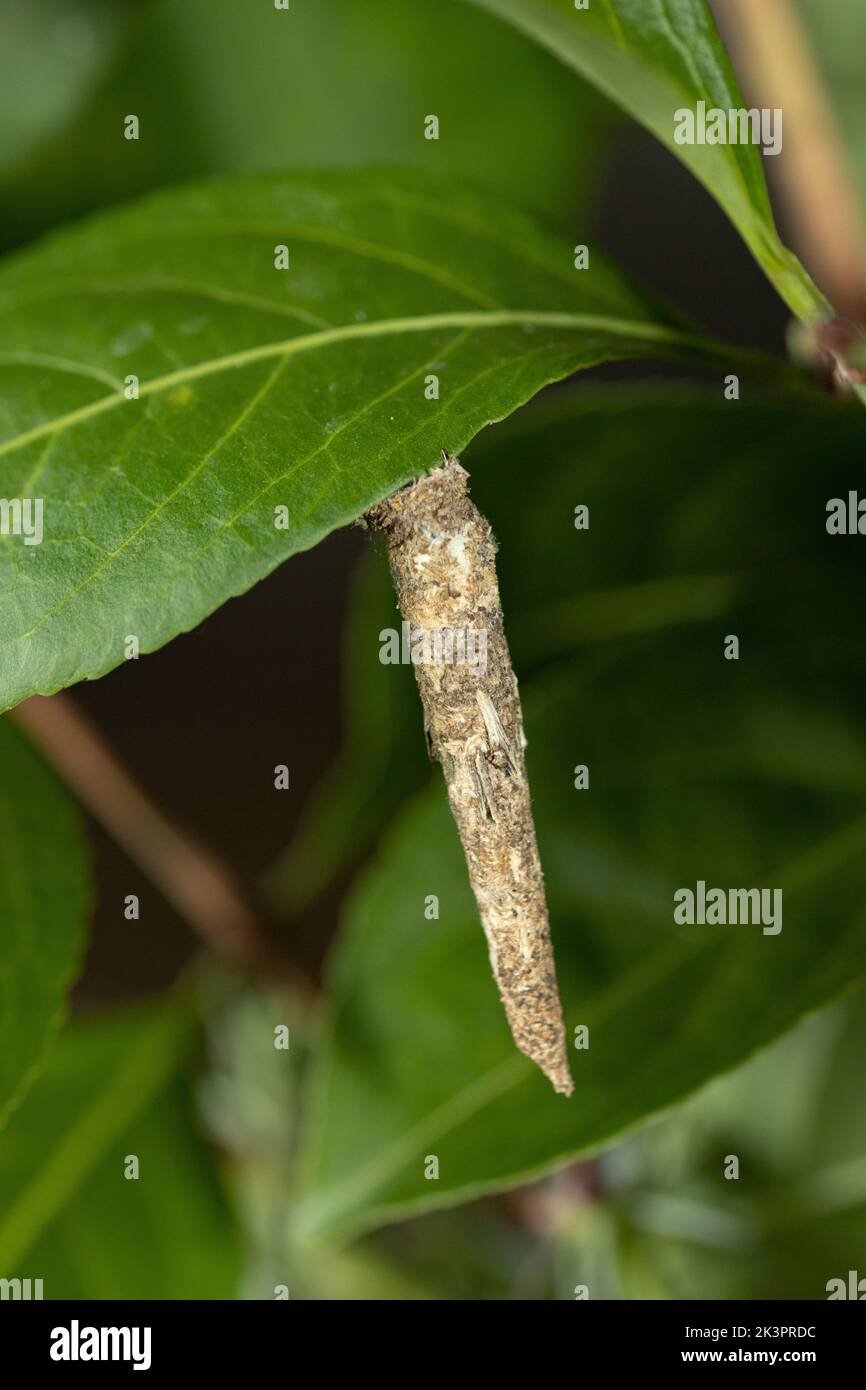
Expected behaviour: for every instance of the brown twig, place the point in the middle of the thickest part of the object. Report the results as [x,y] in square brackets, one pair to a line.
[441,552]
[190,877]
[775,61]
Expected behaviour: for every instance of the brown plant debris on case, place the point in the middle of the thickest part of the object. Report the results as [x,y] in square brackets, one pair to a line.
[442,557]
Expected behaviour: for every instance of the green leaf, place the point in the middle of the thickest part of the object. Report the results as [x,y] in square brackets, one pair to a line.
[654,58]
[102,1075]
[52,54]
[383,760]
[279,91]
[108,1092]
[44,906]
[418,1060]
[250,1101]
[229,88]
[678,1232]
[180,1238]
[260,388]
[743,774]
[587,446]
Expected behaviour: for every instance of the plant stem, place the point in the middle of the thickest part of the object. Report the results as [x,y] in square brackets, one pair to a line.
[775,61]
[190,877]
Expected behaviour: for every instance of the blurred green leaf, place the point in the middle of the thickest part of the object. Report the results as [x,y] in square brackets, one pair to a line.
[227,88]
[839,1133]
[418,1059]
[728,520]
[44,904]
[102,1074]
[654,58]
[293,88]
[109,1092]
[252,1102]
[261,389]
[743,774]
[383,759]
[52,53]
[180,1237]
[794,1217]
[684,553]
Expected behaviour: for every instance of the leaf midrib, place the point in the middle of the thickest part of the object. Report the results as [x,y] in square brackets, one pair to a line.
[290,347]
